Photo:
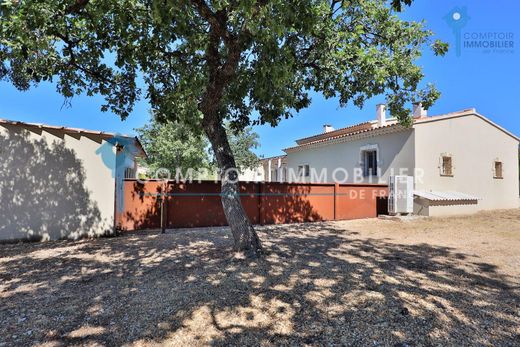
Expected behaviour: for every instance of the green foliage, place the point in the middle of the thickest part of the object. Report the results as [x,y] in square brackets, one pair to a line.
[172,145]
[242,142]
[272,53]
[440,48]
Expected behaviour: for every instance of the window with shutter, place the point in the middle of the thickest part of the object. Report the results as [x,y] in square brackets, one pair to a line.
[498,172]
[446,166]
[304,171]
[369,163]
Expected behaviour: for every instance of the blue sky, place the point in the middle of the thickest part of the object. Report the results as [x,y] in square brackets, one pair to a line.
[488,81]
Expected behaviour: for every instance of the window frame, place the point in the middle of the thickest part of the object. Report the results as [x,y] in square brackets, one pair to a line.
[443,172]
[363,160]
[129,173]
[495,176]
[304,171]
[370,157]
[274,175]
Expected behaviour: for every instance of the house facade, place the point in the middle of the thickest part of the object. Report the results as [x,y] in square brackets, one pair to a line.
[58,182]
[482,161]
[461,162]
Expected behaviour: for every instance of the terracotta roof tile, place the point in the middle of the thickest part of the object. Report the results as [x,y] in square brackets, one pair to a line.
[363,128]
[104,135]
[337,132]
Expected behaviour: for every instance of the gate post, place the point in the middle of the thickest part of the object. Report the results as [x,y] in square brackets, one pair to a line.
[163,198]
[259,195]
[336,192]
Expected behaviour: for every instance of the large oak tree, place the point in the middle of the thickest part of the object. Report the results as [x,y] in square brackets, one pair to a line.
[204,62]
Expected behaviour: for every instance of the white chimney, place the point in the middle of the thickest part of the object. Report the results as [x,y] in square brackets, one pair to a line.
[327,128]
[418,110]
[381,114]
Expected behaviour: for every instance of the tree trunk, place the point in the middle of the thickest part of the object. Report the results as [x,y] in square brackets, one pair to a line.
[220,73]
[246,239]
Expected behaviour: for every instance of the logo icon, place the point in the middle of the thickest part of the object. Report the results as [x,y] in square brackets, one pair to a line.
[125,152]
[457,19]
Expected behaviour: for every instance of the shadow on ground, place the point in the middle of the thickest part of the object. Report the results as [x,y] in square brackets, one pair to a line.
[318,285]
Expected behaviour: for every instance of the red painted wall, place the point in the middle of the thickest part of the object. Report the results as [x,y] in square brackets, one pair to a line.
[198,204]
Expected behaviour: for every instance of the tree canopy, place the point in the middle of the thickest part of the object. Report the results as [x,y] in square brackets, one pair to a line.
[268,54]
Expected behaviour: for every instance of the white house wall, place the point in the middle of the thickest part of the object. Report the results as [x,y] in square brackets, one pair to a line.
[252,175]
[474,145]
[395,152]
[54,185]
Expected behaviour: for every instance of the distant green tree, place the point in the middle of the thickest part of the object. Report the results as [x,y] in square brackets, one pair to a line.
[242,143]
[174,146]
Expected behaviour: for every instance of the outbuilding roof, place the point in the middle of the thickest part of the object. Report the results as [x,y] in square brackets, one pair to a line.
[445,196]
[102,135]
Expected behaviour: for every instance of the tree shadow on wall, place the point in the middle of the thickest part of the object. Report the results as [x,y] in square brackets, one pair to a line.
[199,205]
[42,193]
[294,203]
[142,210]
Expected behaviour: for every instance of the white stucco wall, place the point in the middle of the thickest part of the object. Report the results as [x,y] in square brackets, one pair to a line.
[54,185]
[474,145]
[252,175]
[273,169]
[395,152]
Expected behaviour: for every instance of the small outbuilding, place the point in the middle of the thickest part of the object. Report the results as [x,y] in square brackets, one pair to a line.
[58,182]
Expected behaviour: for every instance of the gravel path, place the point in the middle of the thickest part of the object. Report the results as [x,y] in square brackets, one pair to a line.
[452,281]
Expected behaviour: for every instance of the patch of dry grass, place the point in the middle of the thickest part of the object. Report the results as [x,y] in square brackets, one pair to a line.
[449,281]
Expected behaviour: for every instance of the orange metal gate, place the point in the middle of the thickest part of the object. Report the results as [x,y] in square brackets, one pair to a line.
[198,204]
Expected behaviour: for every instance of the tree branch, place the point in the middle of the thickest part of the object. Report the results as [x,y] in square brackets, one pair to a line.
[220,74]
[217,20]
[77,6]
[69,47]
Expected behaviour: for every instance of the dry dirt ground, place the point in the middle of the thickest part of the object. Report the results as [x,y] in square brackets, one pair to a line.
[452,281]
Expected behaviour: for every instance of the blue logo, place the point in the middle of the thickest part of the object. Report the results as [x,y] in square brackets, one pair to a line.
[125,152]
[457,19]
